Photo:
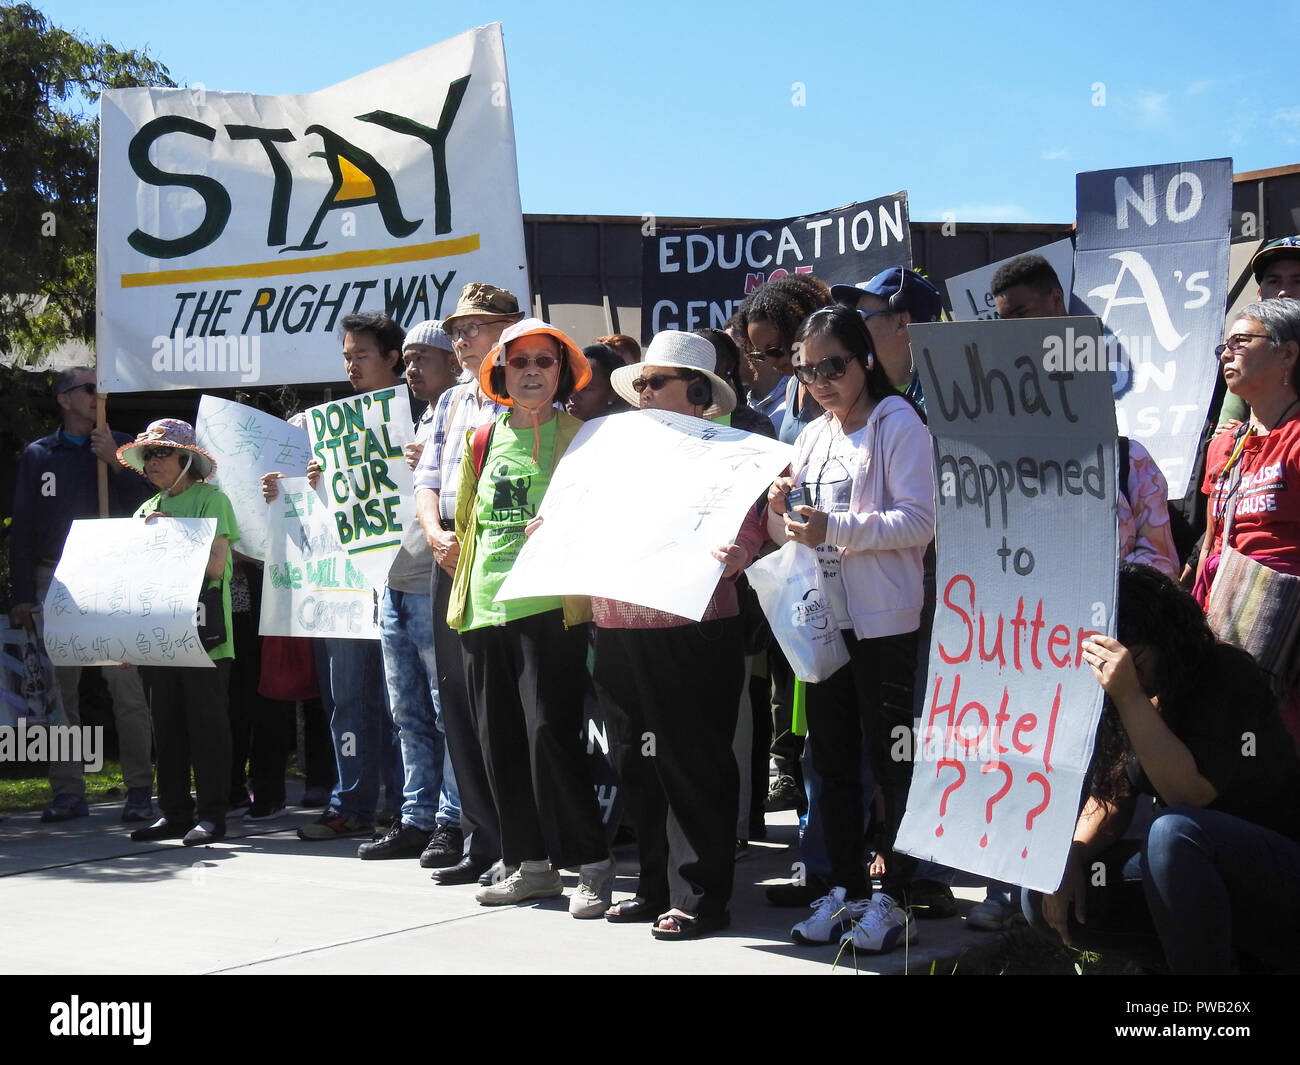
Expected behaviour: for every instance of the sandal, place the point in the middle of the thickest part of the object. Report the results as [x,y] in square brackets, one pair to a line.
[689,926]
[636,908]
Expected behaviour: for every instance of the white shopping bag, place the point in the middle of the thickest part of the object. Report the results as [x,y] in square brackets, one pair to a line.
[790,590]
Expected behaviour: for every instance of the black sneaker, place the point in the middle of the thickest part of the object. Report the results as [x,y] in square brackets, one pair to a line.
[933,900]
[402,841]
[785,794]
[444,849]
[797,895]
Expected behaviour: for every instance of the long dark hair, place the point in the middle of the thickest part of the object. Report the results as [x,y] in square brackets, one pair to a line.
[846,326]
[1156,612]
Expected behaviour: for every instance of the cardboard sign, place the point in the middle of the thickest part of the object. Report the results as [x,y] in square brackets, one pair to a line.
[636,507]
[246,444]
[236,230]
[971,293]
[310,586]
[693,278]
[358,442]
[126,590]
[1152,263]
[1026,471]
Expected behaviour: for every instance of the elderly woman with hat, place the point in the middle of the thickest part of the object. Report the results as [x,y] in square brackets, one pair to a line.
[678,681]
[190,718]
[525,658]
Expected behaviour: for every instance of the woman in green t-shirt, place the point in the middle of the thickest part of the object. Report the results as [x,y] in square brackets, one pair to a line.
[525,659]
[190,716]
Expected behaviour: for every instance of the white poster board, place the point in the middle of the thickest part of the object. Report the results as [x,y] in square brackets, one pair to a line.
[971,293]
[1026,567]
[127,590]
[636,507]
[368,487]
[310,587]
[236,230]
[247,443]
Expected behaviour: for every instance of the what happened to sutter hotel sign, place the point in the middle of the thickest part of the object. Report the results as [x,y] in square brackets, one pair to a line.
[236,230]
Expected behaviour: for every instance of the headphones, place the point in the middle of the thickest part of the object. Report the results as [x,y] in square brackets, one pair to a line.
[563,387]
[699,392]
[898,301]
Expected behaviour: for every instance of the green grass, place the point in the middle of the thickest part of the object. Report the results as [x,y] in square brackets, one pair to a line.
[33,793]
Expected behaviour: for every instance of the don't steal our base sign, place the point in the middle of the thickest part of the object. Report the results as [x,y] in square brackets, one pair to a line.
[1026,469]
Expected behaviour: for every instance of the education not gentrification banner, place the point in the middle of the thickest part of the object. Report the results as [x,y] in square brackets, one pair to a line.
[697,278]
[236,230]
[358,442]
[1152,264]
[1025,467]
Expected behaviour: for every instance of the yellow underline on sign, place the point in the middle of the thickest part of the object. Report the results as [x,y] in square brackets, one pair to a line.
[345,260]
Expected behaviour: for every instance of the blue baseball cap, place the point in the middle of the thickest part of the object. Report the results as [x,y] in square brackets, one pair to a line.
[921,299]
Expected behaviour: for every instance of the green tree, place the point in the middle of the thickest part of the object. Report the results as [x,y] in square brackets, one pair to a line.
[50,80]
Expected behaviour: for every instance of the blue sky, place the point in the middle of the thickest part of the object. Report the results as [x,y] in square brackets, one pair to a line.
[770,110]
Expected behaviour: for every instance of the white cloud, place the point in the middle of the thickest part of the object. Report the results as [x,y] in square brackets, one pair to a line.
[1057,153]
[1152,106]
[1201,85]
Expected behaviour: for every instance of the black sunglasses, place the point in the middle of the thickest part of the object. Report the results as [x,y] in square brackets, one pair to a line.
[522,362]
[655,381]
[831,368]
[767,353]
[157,453]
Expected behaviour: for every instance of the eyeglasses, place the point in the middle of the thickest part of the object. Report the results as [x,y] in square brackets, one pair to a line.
[469,332]
[157,453]
[522,362]
[831,368]
[89,386]
[767,353]
[867,315]
[1238,341]
[655,381]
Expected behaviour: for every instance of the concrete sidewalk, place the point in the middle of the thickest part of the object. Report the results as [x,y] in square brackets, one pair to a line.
[82,898]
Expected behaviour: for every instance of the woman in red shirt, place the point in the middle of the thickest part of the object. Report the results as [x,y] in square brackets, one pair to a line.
[1252,474]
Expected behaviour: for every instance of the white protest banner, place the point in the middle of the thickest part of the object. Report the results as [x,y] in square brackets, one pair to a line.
[1026,469]
[235,230]
[692,278]
[1152,263]
[309,585]
[636,507]
[971,293]
[126,590]
[358,442]
[247,443]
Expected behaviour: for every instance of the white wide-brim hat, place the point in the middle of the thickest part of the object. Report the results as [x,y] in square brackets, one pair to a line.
[683,351]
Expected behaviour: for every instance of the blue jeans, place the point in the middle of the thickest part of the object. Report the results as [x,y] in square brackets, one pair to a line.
[411,670]
[1210,885]
[352,689]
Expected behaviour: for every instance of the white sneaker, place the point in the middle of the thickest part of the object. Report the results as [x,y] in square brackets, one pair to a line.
[832,914]
[992,915]
[521,887]
[884,926]
[595,890]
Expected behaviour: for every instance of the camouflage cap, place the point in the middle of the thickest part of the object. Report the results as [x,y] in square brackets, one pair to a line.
[478,297]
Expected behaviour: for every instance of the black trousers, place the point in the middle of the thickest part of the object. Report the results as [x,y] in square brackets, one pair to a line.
[191,726]
[478,810]
[262,730]
[526,681]
[871,697]
[671,697]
